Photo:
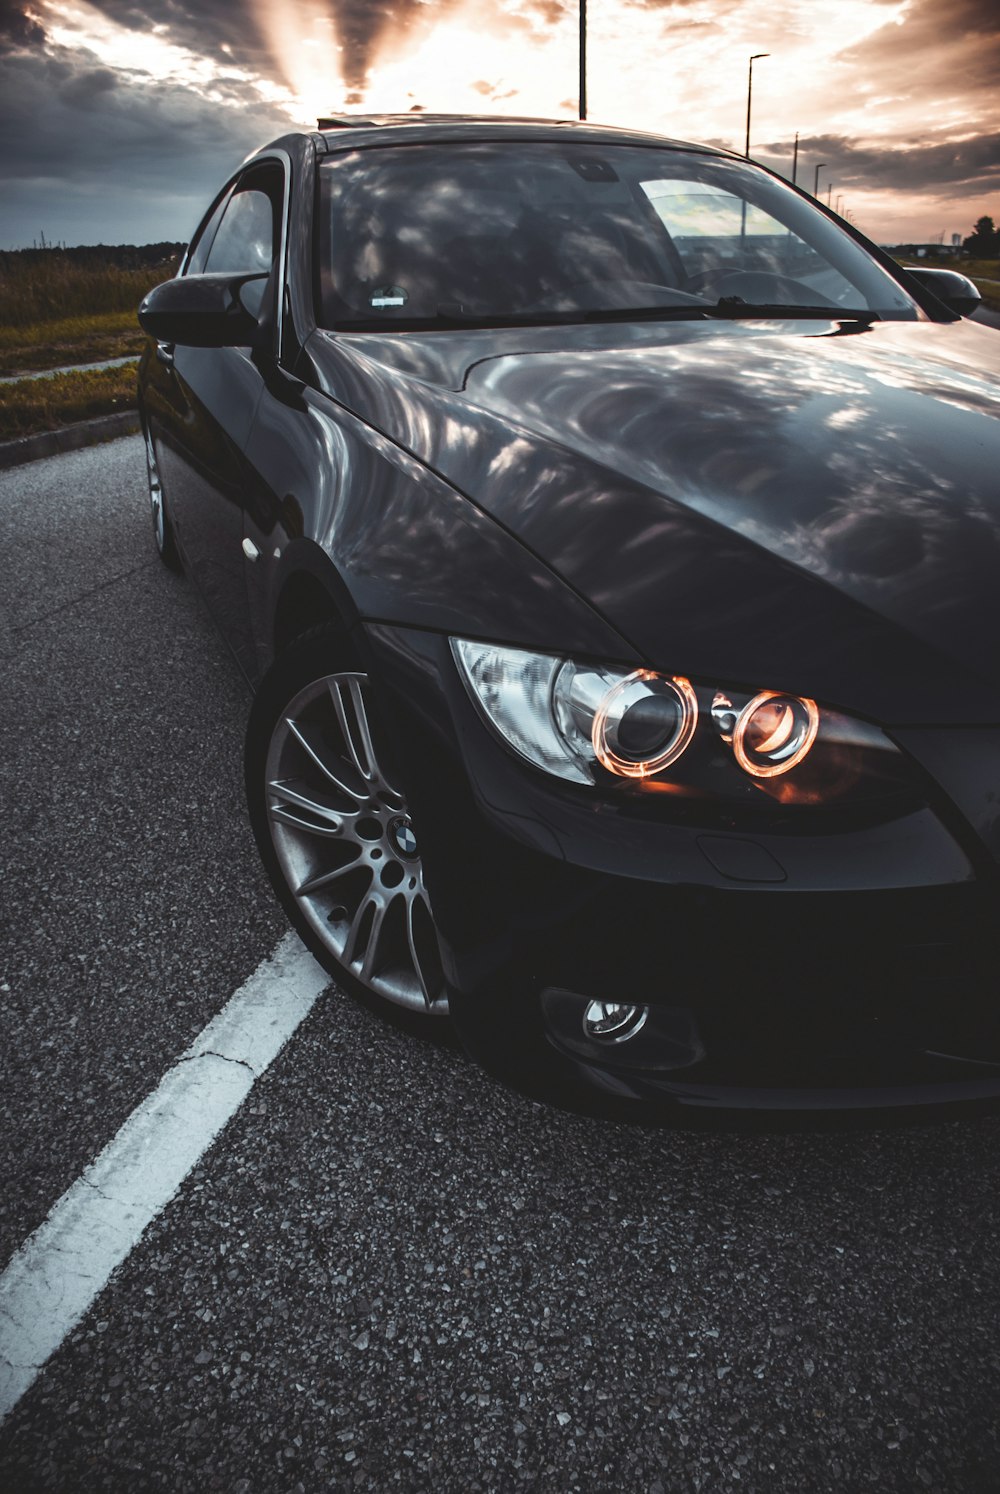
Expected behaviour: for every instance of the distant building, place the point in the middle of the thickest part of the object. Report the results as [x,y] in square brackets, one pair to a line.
[928,251]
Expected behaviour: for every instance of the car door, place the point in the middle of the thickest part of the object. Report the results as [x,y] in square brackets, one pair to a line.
[205,405]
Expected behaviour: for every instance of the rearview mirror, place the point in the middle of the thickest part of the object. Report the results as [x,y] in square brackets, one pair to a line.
[205,311]
[956,291]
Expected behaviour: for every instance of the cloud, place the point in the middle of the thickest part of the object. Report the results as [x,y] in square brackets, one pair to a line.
[939,51]
[550,12]
[263,35]
[363,25]
[224,30]
[86,88]
[18,27]
[139,108]
[962,167]
[496,91]
[720,8]
[144,167]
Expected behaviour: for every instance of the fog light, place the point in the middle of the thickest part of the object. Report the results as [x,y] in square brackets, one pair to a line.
[613,1021]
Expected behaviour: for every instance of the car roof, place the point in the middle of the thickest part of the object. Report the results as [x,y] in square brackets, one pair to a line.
[337,131]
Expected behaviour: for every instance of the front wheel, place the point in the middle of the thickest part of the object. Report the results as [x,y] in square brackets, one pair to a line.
[335,831]
[163,533]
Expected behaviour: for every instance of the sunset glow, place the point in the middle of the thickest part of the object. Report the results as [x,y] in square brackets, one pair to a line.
[895,98]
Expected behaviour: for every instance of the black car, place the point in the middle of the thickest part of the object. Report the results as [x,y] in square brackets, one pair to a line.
[612,537]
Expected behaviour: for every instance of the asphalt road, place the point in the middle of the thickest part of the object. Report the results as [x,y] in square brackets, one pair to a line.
[388,1272]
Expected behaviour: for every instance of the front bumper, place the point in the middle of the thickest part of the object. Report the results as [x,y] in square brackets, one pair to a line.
[853,968]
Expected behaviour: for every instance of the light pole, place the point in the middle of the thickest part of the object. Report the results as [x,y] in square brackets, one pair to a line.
[836,206]
[795,159]
[756,56]
[819,168]
[583,59]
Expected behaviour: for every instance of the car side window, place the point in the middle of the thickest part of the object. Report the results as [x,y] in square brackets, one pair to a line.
[247,238]
[205,238]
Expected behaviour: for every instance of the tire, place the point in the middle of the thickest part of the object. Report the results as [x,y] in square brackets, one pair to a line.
[334,831]
[163,533]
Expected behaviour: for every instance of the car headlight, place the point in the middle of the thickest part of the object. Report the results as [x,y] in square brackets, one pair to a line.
[643,731]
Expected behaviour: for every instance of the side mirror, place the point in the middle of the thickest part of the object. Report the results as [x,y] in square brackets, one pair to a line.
[956,291]
[205,311]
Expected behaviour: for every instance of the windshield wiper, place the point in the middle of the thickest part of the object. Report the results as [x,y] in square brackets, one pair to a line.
[457,316]
[453,316]
[729,308]
[735,306]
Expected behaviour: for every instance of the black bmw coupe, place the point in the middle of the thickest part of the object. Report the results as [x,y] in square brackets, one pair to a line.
[611,535]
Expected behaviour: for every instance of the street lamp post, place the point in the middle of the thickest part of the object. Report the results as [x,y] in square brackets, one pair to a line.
[819,168]
[795,159]
[756,56]
[583,59]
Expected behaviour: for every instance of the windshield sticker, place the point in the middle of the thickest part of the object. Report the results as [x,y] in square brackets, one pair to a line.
[388,295]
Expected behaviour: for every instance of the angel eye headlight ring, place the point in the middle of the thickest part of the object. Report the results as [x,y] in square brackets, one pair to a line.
[644,723]
[774,733]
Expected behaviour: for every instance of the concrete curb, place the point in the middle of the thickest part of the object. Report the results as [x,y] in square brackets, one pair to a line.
[70,438]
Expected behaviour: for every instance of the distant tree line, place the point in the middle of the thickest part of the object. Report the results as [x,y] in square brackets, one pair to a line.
[92,256]
[984,240]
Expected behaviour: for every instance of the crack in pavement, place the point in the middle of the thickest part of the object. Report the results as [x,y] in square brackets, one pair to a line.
[82,596]
[226,1058]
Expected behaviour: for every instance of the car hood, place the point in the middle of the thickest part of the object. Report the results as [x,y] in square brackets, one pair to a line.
[802,505]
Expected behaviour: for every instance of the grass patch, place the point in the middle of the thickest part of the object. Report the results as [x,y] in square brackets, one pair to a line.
[33,405]
[986,274]
[78,339]
[988,269]
[69,306]
[52,285]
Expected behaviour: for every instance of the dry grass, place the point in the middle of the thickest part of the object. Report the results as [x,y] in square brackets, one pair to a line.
[54,287]
[74,306]
[33,405]
[79,339]
[986,274]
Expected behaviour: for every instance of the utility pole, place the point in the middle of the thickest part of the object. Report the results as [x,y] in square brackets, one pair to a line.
[756,56]
[795,159]
[829,193]
[819,168]
[583,59]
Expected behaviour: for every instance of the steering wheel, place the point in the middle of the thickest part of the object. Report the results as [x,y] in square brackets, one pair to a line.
[763,287]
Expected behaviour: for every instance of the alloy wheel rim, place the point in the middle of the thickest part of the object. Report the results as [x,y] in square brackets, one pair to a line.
[155,495]
[346,845]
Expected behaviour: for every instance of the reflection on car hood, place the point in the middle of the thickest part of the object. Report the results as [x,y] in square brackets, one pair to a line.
[804,505]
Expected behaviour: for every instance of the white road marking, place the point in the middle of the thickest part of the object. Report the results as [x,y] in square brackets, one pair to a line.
[60,1269]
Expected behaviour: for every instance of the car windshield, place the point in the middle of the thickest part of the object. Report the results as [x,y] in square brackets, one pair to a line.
[497,232]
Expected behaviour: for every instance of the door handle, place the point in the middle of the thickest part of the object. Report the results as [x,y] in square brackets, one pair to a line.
[165,353]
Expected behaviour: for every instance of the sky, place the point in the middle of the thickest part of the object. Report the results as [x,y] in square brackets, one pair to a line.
[119,119]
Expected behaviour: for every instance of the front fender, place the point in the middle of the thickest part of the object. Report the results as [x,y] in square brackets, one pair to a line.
[391,541]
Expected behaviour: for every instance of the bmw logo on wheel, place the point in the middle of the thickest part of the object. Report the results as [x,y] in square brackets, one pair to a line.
[406,841]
